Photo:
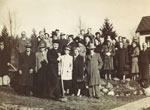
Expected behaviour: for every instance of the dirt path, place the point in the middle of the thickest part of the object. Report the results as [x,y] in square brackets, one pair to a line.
[137,105]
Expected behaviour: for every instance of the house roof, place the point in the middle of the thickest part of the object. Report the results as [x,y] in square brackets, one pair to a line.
[144,25]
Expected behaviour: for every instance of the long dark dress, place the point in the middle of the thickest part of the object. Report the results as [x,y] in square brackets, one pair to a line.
[53,79]
[144,61]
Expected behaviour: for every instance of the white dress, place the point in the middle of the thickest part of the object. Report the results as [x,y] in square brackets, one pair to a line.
[66,64]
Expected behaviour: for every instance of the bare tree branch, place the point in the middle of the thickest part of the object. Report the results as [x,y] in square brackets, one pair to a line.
[13,23]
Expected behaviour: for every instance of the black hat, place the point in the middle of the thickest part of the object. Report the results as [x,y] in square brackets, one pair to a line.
[56,41]
[28,45]
[53,33]
[56,30]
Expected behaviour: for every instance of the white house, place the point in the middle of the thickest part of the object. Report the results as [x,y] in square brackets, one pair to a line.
[143,30]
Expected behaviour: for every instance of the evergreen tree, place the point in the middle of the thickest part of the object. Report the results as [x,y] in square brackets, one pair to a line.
[107,30]
[4,32]
[7,40]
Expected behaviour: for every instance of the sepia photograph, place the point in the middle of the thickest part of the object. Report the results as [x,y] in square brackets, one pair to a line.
[74,54]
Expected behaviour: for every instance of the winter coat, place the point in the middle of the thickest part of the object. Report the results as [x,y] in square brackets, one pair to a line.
[34,42]
[144,61]
[62,45]
[108,60]
[4,59]
[87,49]
[21,44]
[78,71]
[66,65]
[134,60]
[71,45]
[121,60]
[41,58]
[25,64]
[40,78]
[98,48]
[52,71]
[82,50]
[78,65]
[93,64]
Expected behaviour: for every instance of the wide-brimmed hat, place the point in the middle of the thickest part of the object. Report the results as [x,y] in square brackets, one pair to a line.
[28,45]
[67,48]
[91,46]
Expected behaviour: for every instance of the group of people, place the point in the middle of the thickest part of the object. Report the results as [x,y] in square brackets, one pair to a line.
[57,64]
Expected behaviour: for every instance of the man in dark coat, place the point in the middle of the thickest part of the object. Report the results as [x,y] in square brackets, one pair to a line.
[4,59]
[144,61]
[53,77]
[93,65]
[78,69]
[26,69]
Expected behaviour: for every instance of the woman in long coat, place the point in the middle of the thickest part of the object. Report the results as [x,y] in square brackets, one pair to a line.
[134,60]
[26,70]
[108,52]
[93,64]
[144,61]
[121,60]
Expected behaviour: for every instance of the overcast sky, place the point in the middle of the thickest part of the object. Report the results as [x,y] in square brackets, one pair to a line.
[64,14]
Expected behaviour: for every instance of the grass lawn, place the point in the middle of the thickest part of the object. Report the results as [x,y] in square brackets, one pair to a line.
[7,96]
